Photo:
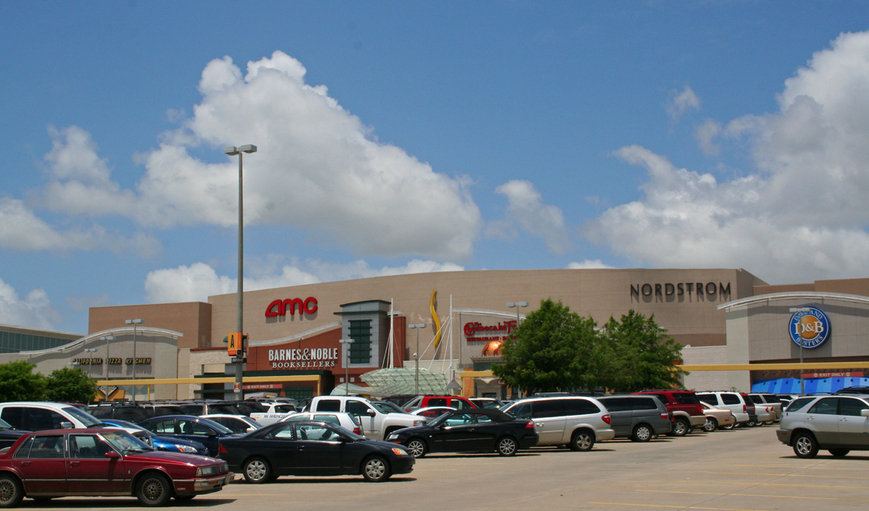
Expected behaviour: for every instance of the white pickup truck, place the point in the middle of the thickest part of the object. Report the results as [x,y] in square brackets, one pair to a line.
[378,419]
[770,402]
[273,413]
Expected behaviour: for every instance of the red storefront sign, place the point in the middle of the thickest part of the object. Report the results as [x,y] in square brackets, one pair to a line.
[282,307]
[478,332]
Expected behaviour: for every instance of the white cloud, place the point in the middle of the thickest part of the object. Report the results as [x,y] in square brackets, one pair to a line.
[682,101]
[317,168]
[801,216]
[526,210]
[34,311]
[588,264]
[199,280]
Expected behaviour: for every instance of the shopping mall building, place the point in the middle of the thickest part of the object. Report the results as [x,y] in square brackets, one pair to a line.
[737,331]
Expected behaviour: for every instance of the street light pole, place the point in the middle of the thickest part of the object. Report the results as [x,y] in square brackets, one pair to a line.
[239,357]
[416,326]
[134,322]
[346,346]
[517,305]
[107,338]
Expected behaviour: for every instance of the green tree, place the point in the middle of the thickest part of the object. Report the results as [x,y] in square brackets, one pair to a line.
[71,386]
[640,354]
[18,382]
[553,349]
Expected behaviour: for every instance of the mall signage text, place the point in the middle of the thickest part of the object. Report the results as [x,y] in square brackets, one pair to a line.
[290,305]
[669,290]
[477,331]
[303,358]
[112,361]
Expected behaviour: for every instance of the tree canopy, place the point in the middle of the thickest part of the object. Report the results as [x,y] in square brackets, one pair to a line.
[18,382]
[555,349]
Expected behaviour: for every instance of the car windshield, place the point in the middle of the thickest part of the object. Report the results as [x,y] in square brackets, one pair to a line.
[387,407]
[125,442]
[85,418]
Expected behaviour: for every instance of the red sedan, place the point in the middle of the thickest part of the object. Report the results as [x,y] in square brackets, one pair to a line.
[103,462]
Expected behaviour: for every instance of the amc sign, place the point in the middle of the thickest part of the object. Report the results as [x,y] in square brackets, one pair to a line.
[290,305]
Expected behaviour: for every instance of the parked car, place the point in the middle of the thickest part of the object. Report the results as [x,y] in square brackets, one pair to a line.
[685,407]
[432,412]
[236,423]
[103,462]
[575,421]
[188,427]
[135,412]
[771,402]
[161,443]
[853,390]
[312,449]
[838,423]
[732,401]
[717,418]
[763,414]
[487,402]
[457,402]
[8,434]
[378,418]
[345,420]
[41,415]
[273,412]
[639,418]
[468,430]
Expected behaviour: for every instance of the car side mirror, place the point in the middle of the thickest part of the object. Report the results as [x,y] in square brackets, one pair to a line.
[370,412]
[864,412]
[66,425]
[112,455]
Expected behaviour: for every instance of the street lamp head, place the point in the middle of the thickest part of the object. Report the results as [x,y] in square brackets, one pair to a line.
[517,304]
[233,150]
[137,321]
[417,325]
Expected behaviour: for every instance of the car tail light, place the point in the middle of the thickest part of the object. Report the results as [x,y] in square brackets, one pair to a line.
[606,418]
[529,425]
[221,449]
[665,415]
[745,408]
[357,430]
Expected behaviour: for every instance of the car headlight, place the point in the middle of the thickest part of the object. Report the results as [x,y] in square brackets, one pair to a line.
[392,436]
[399,452]
[186,448]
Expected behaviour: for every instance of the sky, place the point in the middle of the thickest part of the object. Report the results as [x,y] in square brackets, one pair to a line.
[402,137]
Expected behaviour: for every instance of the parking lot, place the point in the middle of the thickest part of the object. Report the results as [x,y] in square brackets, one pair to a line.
[742,469]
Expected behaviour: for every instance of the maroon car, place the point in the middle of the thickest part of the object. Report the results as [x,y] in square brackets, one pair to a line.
[103,462]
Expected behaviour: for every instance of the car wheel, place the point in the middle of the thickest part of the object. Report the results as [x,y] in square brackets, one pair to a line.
[375,469]
[582,440]
[839,453]
[257,470]
[11,491]
[507,446]
[710,425]
[805,445]
[153,489]
[642,433]
[681,426]
[751,423]
[416,447]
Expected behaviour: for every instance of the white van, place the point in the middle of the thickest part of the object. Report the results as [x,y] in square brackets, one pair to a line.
[575,421]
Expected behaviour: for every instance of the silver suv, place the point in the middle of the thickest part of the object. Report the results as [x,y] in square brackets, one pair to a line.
[575,421]
[838,424]
[639,418]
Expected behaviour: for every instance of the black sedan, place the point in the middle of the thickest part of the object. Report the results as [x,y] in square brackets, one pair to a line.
[474,430]
[311,448]
[188,427]
[8,434]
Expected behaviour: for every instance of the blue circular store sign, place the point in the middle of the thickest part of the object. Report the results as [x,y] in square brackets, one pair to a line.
[809,327]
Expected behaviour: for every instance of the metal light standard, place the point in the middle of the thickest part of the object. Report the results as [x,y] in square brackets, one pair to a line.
[416,326]
[107,338]
[134,322]
[346,347]
[90,352]
[239,357]
[517,305]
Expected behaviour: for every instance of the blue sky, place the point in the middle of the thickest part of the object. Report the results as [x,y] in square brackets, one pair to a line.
[399,137]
